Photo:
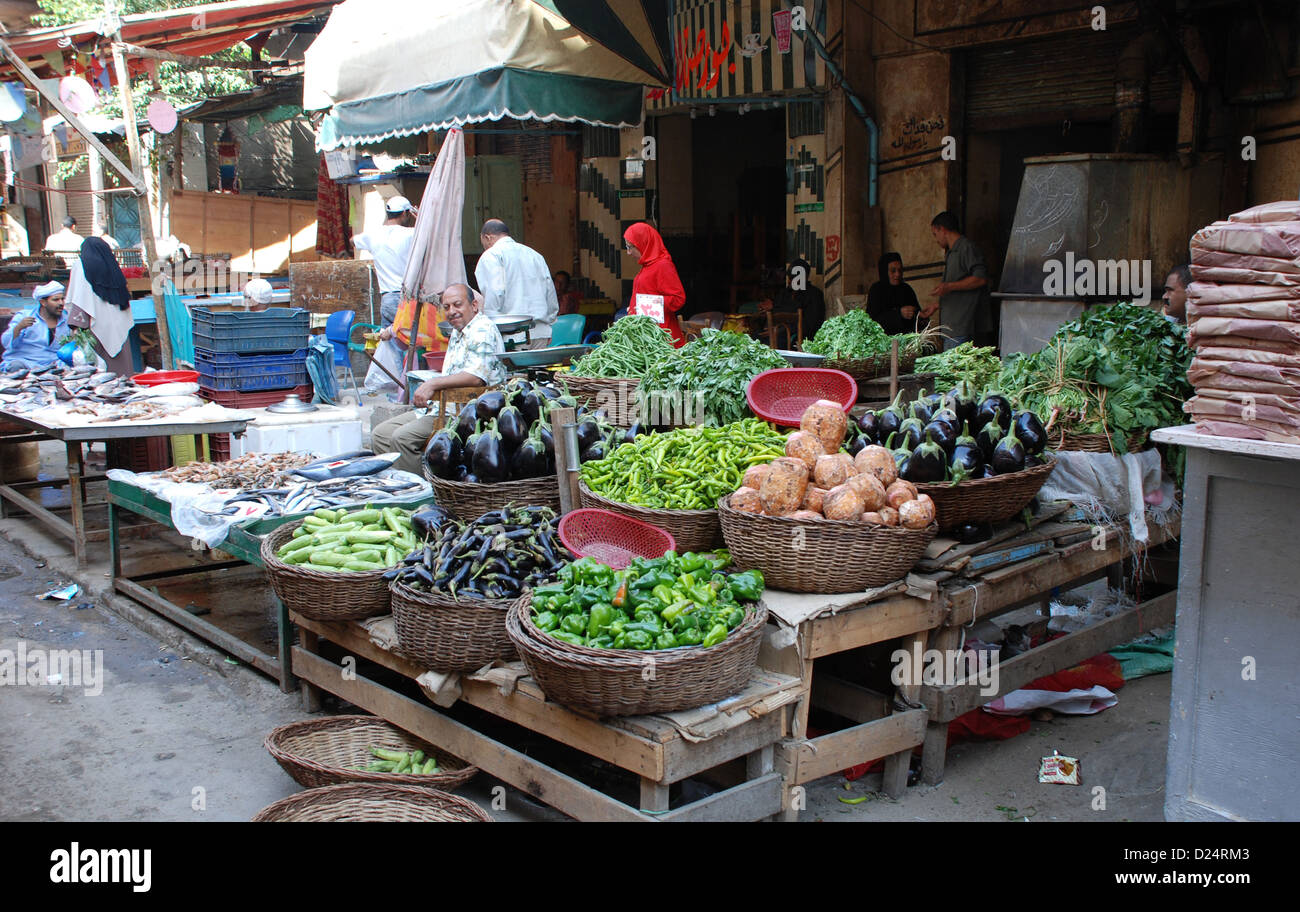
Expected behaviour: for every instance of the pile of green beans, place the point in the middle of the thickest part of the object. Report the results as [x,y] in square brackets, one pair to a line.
[686,469]
[627,349]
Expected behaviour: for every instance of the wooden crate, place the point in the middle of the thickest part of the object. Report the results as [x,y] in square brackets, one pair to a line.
[328,286]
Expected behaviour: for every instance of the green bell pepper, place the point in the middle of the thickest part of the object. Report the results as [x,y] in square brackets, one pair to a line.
[747,586]
[547,621]
[586,596]
[571,639]
[653,578]
[646,614]
[673,610]
[735,617]
[600,618]
[692,562]
[638,639]
[620,641]
[549,591]
[601,642]
[702,594]
[690,637]
[665,594]
[715,636]
[575,624]
[666,640]
[720,560]
[687,620]
[650,626]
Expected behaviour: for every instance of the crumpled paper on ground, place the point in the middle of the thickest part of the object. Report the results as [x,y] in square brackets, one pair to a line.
[1070,702]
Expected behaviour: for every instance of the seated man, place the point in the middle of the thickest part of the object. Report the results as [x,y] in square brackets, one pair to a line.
[33,337]
[471,361]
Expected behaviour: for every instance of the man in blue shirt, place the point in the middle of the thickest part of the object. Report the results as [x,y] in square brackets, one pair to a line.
[33,337]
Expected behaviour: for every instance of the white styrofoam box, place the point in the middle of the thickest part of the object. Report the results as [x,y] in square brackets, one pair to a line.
[327,432]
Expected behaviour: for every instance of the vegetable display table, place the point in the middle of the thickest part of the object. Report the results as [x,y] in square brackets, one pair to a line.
[73,438]
[650,747]
[1022,569]
[1234,743]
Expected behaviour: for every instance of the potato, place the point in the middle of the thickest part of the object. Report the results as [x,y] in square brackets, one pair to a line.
[832,471]
[874,518]
[889,515]
[826,421]
[931,511]
[899,493]
[746,500]
[755,476]
[869,489]
[813,499]
[914,515]
[842,503]
[807,516]
[879,462]
[784,488]
[806,447]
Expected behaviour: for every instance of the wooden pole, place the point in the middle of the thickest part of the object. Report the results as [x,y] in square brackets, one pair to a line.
[185,60]
[146,210]
[893,370]
[562,424]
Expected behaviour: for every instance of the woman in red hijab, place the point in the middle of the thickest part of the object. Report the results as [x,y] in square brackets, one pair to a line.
[657,291]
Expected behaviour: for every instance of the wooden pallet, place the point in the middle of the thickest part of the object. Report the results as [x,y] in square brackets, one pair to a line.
[648,747]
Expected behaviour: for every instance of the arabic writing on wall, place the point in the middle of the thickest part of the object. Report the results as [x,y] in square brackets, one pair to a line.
[704,63]
[913,133]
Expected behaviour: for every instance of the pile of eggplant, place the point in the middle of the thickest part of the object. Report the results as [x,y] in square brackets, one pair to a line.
[498,556]
[955,437]
[506,435]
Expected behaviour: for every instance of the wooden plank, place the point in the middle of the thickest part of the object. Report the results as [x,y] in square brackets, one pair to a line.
[848,700]
[884,620]
[530,776]
[829,754]
[654,797]
[749,801]
[1012,530]
[613,745]
[946,703]
[1017,554]
[329,286]
[682,758]
[898,765]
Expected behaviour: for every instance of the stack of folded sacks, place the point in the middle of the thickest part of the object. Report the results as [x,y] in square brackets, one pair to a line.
[1243,315]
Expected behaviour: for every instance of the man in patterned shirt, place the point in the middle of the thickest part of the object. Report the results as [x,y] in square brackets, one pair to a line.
[471,361]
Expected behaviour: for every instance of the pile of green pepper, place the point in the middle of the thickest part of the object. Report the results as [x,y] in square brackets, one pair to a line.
[686,469]
[670,601]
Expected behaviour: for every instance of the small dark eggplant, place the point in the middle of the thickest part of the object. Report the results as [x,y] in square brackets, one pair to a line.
[859,443]
[889,420]
[489,462]
[921,409]
[443,454]
[427,521]
[490,405]
[966,457]
[593,453]
[513,428]
[928,464]
[1030,431]
[962,400]
[867,425]
[1034,461]
[991,401]
[471,478]
[1009,454]
[943,434]
[948,417]
[460,473]
[911,433]
[990,435]
[529,460]
[631,434]
[547,436]
[588,432]
[530,407]
[970,533]
[467,421]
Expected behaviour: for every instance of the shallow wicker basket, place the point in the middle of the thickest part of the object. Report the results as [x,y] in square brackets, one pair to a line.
[317,752]
[987,500]
[470,501]
[615,396]
[366,802]
[323,596]
[616,682]
[827,556]
[447,635]
[865,369]
[693,530]
[1062,439]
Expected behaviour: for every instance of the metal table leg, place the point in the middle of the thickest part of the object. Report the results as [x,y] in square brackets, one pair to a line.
[77,494]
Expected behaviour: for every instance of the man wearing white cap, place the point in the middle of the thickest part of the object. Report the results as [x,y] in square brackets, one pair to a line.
[33,337]
[257,294]
[389,246]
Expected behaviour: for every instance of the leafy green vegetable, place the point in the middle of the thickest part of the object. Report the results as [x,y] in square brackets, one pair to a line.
[979,367]
[629,348]
[853,335]
[712,372]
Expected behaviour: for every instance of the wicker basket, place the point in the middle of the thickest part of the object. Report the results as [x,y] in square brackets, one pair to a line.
[828,556]
[693,530]
[317,752]
[863,370]
[470,501]
[1063,439]
[616,396]
[447,635]
[365,802]
[616,682]
[323,596]
[987,500]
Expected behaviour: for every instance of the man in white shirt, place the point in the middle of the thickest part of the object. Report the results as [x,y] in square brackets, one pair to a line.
[67,240]
[101,232]
[389,246]
[515,279]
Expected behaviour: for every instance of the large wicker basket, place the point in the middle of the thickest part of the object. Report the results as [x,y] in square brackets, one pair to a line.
[693,530]
[627,682]
[323,596]
[987,500]
[1063,439]
[615,396]
[450,635]
[863,370]
[366,802]
[470,501]
[826,556]
[317,752]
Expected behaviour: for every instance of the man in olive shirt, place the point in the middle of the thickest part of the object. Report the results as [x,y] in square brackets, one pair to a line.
[964,279]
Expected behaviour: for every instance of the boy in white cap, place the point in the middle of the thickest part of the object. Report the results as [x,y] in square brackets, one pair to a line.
[257,294]
[33,337]
[389,246]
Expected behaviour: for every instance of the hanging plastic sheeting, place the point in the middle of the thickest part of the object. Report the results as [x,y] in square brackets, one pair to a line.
[437,256]
[320,366]
[180,326]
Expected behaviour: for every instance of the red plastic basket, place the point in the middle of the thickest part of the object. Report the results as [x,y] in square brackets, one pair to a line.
[613,539]
[781,396]
[158,378]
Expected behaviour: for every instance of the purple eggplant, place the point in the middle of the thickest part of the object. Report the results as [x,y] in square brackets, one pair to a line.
[443,454]
[942,433]
[859,443]
[490,405]
[489,462]
[912,432]
[1009,454]
[889,420]
[984,413]
[966,456]
[588,432]
[530,459]
[1030,431]
[921,409]
[513,428]
[948,417]
[867,425]
[928,464]
[467,421]
[963,401]
[990,435]
[460,473]
[636,430]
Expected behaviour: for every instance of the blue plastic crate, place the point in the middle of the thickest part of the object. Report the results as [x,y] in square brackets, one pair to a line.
[250,373]
[276,329]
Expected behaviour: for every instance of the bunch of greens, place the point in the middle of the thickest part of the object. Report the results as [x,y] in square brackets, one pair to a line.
[1119,371]
[712,373]
[627,349]
[852,335]
[979,367]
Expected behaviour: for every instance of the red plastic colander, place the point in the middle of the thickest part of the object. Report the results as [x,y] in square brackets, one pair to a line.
[781,396]
[612,539]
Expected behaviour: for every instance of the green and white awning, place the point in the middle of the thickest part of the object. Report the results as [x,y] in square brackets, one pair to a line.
[385,68]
